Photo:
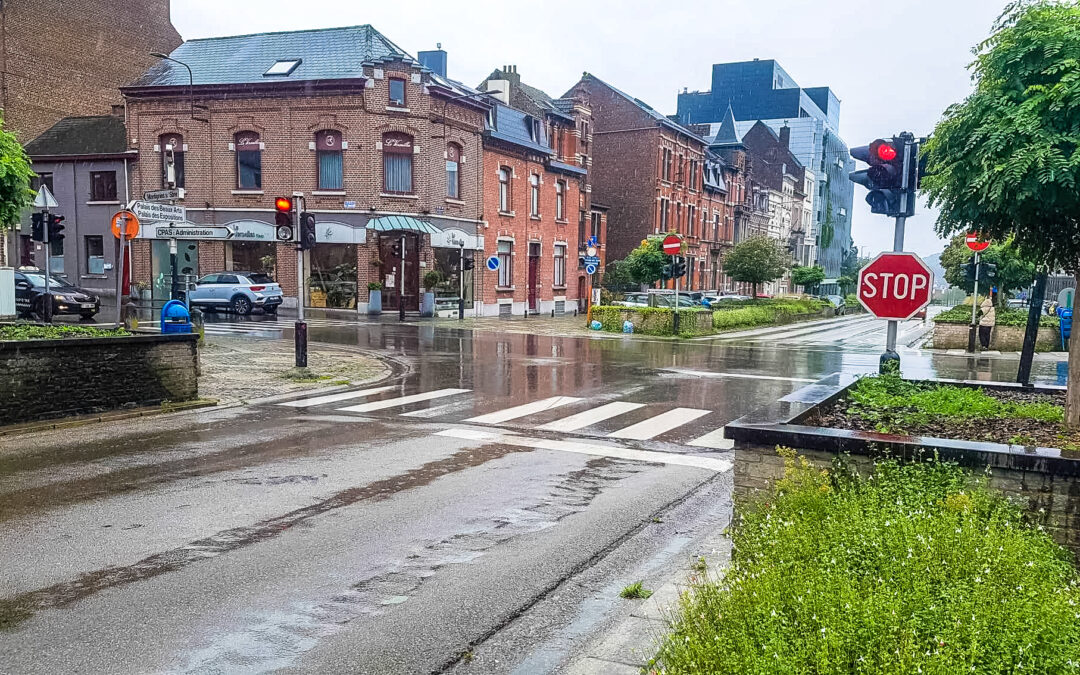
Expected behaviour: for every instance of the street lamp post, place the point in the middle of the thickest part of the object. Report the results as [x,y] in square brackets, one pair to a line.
[191,81]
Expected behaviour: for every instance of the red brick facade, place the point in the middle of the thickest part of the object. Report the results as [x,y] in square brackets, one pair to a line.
[60,58]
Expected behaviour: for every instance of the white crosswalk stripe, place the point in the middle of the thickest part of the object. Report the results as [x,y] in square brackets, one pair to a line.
[334,398]
[402,400]
[500,416]
[714,440]
[590,417]
[659,424]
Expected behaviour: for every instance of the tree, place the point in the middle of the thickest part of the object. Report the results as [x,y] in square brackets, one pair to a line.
[1013,270]
[846,283]
[15,175]
[757,260]
[807,277]
[645,264]
[1005,161]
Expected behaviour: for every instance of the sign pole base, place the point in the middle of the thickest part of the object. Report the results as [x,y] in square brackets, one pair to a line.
[301,344]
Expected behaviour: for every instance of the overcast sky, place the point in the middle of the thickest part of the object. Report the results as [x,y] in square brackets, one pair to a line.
[894,65]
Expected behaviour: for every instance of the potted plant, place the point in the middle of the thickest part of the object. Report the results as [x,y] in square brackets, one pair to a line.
[269,263]
[432,278]
[141,290]
[374,298]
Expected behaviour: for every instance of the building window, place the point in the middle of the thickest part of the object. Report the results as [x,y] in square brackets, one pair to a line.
[560,264]
[397,92]
[581,229]
[596,226]
[504,190]
[678,217]
[398,163]
[103,186]
[560,200]
[42,179]
[330,160]
[95,254]
[56,253]
[691,223]
[693,174]
[453,171]
[248,161]
[665,164]
[172,153]
[679,170]
[506,263]
[664,214]
[716,227]
[534,195]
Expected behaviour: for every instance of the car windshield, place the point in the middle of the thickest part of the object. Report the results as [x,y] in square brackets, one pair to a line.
[260,278]
[38,281]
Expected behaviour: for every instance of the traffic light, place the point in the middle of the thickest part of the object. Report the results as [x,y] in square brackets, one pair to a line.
[467,264]
[885,176]
[667,271]
[37,226]
[678,268]
[988,271]
[307,231]
[395,249]
[969,271]
[284,219]
[56,228]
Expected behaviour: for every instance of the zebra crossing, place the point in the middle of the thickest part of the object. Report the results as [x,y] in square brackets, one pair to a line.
[634,421]
[267,327]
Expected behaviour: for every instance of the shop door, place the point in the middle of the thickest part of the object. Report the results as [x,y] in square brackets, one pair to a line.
[391,271]
[534,278]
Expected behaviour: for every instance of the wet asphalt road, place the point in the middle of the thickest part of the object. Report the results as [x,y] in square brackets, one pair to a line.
[477,512]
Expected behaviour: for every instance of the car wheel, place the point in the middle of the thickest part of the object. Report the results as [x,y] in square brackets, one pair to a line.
[87,316]
[241,305]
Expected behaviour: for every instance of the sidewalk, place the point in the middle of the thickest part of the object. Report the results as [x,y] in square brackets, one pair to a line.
[237,370]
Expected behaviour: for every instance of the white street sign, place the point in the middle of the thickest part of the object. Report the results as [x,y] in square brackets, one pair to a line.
[45,199]
[167,231]
[163,195]
[154,212]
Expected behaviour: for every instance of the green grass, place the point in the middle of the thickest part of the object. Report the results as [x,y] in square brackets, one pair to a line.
[917,569]
[635,591]
[897,405]
[30,331]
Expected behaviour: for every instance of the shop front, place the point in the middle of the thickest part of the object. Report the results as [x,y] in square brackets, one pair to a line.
[455,262]
[251,248]
[332,266]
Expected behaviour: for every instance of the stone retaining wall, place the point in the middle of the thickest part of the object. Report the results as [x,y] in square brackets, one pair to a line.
[1002,338]
[56,378]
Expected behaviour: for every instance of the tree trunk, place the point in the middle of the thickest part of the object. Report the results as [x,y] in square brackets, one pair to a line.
[753,292]
[1072,397]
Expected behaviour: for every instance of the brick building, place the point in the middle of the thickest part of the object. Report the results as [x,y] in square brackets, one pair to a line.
[62,58]
[537,189]
[384,149]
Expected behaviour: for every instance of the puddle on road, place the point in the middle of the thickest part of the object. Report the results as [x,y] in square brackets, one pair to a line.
[261,645]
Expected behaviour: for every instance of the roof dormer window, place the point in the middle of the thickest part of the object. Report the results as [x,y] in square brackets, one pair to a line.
[283,67]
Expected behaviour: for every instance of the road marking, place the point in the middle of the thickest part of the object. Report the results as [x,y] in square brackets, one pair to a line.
[696,461]
[742,376]
[714,440]
[402,400]
[658,424]
[508,414]
[333,398]
[590,417]
[435,411]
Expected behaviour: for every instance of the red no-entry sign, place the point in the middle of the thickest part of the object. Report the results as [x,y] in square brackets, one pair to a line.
[972,241]
[671,245]
[895,285]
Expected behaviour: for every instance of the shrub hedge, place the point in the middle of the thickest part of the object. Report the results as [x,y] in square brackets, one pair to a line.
[31,331]
[917,569]
[1004,316]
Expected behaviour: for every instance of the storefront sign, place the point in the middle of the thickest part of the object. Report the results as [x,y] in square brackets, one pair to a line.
[251,230]
[338,233]
[156,212]
[168,231]
[455,238]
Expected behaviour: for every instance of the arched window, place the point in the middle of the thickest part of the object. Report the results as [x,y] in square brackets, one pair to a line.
[248,161]
[453,171]
[504,190]
[397,163]
[172,160]
[328,155]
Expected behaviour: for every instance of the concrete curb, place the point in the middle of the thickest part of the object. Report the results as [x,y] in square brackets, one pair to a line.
[84,420]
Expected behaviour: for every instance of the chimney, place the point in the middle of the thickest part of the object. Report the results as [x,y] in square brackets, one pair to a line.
[500,89]
[785,136]
[434,60]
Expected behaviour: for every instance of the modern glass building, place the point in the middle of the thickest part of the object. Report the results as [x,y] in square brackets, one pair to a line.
[762,90]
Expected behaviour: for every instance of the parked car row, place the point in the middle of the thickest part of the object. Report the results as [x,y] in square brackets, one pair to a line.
[31,296]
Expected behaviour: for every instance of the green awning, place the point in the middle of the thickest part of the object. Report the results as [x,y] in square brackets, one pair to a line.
[401,224]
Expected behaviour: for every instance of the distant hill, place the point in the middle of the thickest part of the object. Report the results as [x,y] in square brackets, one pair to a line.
[934,263]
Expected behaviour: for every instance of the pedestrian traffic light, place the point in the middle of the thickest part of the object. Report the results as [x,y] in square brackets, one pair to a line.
[56,228]
[284,219]
[667,272]
[307,231]
[988,271]
[969,271]
[678,268]
[37,226]
[467,264]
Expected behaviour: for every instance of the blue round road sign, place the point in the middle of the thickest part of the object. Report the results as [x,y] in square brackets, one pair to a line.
[590,269]
[493,263]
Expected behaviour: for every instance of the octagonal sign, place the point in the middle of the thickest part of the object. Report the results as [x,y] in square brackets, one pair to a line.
[895,286]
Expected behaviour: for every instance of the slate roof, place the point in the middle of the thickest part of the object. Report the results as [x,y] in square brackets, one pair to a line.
[98,135]
[567,168]
[325,54]
[648,109]
[510,126]
[727,134]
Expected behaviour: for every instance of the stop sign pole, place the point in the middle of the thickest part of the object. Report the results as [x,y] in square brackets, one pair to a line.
[890,360]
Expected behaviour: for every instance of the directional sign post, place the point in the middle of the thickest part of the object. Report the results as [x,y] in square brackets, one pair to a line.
[895,286]
[170,231]
[493,263]
[672,245]
[166,195]
[45,201]
[156,212]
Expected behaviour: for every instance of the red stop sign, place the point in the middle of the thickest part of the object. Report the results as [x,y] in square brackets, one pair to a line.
[671,245]
[972,241]
[895,285]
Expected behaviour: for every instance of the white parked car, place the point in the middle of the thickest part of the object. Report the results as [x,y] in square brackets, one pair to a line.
[239,291]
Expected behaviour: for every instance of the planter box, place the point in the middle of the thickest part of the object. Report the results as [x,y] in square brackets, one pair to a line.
[1044,481]
[1002,338]
[654,320]
[55,378]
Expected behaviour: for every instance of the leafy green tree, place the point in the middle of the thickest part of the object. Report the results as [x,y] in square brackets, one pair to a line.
[846,283]
[617,276]
[1005,161]
[645,264]
[757,260]
[1013,270]
[807,277]
[15,175]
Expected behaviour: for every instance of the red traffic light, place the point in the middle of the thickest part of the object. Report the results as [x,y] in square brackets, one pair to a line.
[283,204]
[886,152]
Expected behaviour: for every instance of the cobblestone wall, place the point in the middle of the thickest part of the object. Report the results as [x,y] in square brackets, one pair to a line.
[1051,499]
[55,378]
[1003,338]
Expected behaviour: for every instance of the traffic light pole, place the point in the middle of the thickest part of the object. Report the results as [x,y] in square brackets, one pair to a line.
[461,285]
[300,328]
[890,360]
[675,319]
[46,302]
[401,283]
[974,308]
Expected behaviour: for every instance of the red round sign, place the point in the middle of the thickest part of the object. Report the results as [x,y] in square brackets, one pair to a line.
[671,245]
[972,241]
[895,285]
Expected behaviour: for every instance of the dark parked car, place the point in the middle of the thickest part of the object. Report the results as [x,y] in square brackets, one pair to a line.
[30,296]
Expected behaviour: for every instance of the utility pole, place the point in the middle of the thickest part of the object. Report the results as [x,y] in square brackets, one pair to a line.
[401,283]
[300,328]
[891,359]
[974,308]
[47,301]
[461,284]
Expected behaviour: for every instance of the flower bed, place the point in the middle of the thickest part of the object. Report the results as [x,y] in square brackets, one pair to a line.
[917,568]
[31,331]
